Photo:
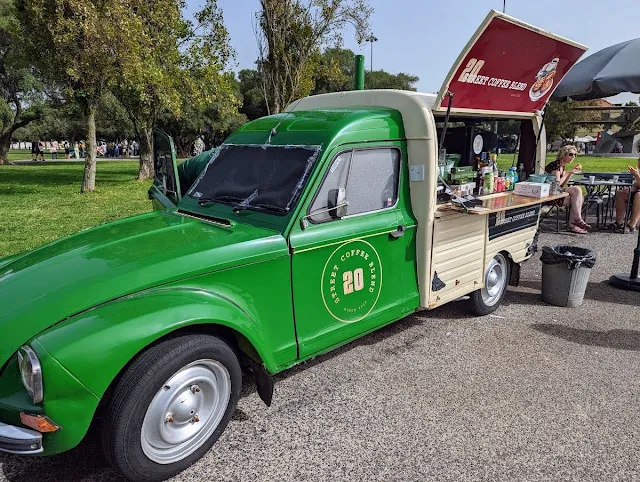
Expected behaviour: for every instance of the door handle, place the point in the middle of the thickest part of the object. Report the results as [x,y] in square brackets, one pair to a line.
[398,232]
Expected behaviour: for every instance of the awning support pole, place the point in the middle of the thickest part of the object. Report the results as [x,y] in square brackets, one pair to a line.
[446,120]
[535,151]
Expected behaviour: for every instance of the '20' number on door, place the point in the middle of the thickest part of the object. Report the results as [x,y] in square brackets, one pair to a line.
[353,280]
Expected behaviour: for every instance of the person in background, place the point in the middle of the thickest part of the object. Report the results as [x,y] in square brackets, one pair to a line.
[81,147]
[34,150]
[76,150]
[53,148]
[622,196]
[40,151]
[566,155]
[66,150]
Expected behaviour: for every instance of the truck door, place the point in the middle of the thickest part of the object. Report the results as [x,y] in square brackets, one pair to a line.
[165,191]
[350,251]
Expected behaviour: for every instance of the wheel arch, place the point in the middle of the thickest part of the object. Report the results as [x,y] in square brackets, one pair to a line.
[514,272]
[97,346]
[247,355]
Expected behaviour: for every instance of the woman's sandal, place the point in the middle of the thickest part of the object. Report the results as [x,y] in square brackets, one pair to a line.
[615,227]
[622,229]
[577,229]
[580,223]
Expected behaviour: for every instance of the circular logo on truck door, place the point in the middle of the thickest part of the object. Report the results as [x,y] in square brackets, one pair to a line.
[351,281]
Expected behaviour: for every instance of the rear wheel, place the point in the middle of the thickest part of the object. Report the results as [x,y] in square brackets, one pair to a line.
[170,406]
[496,278]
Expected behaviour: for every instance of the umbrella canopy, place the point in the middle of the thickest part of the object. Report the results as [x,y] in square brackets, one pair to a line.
[608,72]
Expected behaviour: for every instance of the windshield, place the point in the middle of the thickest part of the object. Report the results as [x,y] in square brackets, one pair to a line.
[257,177]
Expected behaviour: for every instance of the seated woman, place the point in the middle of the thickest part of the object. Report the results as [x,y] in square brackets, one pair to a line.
[566,155]
[622,196]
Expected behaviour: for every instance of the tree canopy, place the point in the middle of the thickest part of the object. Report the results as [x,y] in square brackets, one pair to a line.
[178,68]
[291,34]
[21,89]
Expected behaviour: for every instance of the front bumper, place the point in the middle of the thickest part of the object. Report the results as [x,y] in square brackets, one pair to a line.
[19,440]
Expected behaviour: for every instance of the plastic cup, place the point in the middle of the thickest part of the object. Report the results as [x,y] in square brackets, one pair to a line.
[616,179]
[592,178]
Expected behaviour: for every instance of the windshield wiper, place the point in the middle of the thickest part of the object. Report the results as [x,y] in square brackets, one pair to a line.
[271,207]
[240,204]
[222,199]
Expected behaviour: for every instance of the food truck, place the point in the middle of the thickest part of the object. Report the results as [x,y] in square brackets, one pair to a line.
[302,232]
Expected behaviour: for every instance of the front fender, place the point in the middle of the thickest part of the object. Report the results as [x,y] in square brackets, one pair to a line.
[96,345]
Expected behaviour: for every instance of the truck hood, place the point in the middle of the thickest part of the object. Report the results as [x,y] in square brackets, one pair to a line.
[68,276]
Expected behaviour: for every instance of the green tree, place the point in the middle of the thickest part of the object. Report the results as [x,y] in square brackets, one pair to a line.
[291,34]
[379,79]
[213,122]
[177,67]
[334,71]
[250,90]
[66,121]
[558,120]
[21,91]
[79,44]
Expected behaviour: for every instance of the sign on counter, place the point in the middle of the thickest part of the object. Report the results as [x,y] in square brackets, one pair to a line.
[507,222]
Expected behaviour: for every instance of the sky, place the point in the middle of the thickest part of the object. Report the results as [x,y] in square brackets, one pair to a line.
[424,37]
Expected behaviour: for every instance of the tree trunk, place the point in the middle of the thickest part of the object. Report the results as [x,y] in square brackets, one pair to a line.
[89,179]
[5,145]
[146,153]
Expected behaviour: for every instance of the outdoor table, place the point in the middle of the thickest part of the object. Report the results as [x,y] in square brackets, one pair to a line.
[596,191]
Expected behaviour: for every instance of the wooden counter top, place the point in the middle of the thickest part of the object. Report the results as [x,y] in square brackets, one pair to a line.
[501,201]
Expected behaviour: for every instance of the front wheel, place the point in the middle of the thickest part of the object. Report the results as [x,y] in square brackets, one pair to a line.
[496,278]
[170,406]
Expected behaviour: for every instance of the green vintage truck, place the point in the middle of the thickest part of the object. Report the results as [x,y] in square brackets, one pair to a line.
[303,231]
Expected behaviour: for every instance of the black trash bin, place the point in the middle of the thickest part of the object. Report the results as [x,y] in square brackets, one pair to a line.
[565,274]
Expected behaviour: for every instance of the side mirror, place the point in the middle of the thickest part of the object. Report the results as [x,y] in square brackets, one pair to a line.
[337,203]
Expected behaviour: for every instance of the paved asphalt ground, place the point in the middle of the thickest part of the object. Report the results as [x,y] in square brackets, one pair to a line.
[534,392]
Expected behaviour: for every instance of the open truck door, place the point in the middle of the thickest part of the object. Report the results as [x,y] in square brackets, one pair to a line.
[507,69]
[165,191]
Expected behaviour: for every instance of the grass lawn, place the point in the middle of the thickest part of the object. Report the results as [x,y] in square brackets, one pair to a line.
[589,163]
[41,203]
[24,155]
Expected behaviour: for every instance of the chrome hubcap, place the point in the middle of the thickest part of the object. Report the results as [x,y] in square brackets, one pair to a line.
[495,281]
[185,411]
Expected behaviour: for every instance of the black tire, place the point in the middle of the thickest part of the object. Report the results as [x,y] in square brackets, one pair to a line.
[140,383]
[480,302]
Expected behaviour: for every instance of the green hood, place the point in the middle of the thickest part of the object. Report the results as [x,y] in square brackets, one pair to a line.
[68,276]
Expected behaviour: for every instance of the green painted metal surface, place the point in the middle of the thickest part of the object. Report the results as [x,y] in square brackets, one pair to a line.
[89,303]
[359,73]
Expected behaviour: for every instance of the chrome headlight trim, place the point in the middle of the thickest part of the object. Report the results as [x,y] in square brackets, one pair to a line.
[31,373]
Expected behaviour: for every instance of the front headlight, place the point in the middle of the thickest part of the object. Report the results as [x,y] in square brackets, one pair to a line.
[31,373]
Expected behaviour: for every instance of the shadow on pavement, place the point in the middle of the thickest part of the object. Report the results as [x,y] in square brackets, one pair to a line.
[617,339]
[596,291]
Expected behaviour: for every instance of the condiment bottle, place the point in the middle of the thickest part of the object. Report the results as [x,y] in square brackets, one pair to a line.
[488,183]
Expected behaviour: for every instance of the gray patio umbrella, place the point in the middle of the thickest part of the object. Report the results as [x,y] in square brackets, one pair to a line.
[608,72]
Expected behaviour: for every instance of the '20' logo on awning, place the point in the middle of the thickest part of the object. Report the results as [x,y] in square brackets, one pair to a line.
[352,281]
